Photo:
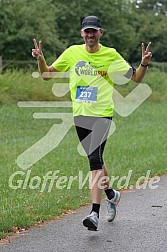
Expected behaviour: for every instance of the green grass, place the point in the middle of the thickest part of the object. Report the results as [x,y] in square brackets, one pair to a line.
[138,144]
[20,85]
[156,79]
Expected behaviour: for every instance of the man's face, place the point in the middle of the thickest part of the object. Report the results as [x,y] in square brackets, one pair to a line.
[91,36]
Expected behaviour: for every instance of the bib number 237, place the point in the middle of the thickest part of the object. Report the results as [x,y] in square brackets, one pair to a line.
[86,94]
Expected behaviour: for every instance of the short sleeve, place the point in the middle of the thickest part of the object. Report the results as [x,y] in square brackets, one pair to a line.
[62,63]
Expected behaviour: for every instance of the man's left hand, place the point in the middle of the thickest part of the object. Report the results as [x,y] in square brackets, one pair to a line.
[146,54]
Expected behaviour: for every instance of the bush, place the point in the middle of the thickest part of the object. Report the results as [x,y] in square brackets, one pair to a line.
[19,85]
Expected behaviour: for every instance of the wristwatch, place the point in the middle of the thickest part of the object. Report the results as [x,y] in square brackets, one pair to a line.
[144,65]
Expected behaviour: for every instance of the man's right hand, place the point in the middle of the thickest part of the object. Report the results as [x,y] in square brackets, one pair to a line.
[37,52]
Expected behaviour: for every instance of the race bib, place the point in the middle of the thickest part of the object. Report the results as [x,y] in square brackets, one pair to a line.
[86,94]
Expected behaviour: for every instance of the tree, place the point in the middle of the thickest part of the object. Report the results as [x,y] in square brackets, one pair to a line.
[118,32]
[150,22]
[126,24]
[156,7]
[20,23]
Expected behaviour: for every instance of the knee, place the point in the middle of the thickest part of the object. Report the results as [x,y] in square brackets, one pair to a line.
[95,162]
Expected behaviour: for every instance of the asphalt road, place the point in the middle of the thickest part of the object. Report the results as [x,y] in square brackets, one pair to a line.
[140,225]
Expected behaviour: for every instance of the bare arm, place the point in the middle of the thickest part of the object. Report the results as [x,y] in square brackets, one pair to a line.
[42,66]
[142,69]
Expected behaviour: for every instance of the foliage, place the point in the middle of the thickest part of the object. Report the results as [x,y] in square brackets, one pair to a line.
[57,23]
[151,25]
[19,85]
[20,23]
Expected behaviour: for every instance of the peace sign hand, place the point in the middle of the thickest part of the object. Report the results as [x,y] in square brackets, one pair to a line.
[146,54]
[37,52]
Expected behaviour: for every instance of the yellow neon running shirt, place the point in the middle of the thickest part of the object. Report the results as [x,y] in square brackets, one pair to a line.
[91,82]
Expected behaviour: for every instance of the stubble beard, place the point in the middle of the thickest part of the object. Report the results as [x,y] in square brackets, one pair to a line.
[93,43]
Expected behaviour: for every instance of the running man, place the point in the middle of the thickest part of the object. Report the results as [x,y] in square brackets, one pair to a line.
[91,67]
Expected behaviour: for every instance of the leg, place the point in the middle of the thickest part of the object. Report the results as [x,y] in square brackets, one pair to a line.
[98,138]
[99,135]
[96,186]
[105,172]
[93,133]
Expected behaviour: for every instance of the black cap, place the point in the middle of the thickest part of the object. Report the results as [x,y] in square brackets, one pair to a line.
[91,22]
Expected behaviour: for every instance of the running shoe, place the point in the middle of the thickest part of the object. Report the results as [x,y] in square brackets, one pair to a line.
[91,221]
[111,206]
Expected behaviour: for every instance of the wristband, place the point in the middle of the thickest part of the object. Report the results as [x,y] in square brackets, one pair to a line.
[144,65]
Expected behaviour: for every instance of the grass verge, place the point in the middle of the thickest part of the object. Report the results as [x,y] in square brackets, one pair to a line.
[138,144]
